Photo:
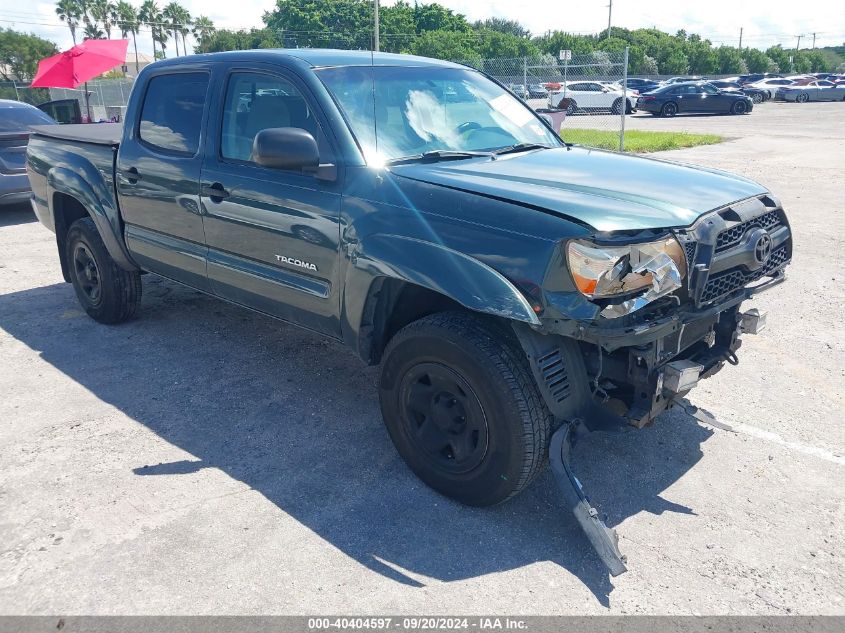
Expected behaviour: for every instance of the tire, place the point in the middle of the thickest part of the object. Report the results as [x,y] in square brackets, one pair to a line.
[739,107]
[616,108]
[802,98]
[757,98]
[572,108]
[462,408]
[108,293]
[669,109]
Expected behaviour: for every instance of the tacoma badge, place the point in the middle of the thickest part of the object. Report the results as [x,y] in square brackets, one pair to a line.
[296,262]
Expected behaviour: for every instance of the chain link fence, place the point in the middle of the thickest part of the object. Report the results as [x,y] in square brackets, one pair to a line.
[107,98]
[583,92]
[578,92]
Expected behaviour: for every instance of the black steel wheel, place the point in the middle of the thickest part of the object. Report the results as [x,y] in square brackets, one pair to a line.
[669,109]
[87,273]
[462,408]
[108,293]
[443,417]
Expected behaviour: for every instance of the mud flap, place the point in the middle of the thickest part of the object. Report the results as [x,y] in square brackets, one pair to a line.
[603,538]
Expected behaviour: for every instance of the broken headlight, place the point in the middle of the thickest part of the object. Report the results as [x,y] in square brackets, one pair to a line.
[626,277]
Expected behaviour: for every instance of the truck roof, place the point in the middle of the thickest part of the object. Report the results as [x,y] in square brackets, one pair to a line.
[320,57]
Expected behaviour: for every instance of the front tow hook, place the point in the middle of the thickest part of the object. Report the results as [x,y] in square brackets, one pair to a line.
[604,539]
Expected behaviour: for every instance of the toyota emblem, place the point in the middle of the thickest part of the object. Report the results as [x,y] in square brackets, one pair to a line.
[763,249]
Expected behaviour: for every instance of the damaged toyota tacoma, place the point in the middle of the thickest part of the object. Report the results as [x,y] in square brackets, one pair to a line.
[515,290]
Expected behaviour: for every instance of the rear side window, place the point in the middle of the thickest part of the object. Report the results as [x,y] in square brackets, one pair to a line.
[171,115]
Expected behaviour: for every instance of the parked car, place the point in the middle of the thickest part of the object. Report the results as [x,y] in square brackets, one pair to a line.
[591,96]
[771,85]
[819,90]
[757,95]
[499,277]
[15,120]
[519,90]
[697,97]
[754,78]
[641,85]
[678,80]
[537,91]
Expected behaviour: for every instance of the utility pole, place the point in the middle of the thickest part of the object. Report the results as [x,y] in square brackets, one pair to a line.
[740,38]
[375,30]
[609,13]
[797,46]
[814,41]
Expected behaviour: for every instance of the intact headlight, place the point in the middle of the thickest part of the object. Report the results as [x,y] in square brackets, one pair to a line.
[601,272]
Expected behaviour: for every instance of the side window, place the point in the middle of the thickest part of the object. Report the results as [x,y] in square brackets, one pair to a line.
[579,87]
[171,115]
[255,102]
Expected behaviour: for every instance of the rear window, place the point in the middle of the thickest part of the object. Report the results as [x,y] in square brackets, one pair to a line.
[18,118]
[171,115]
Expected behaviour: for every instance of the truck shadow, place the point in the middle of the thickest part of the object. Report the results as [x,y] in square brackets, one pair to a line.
[19,213]
[296,418]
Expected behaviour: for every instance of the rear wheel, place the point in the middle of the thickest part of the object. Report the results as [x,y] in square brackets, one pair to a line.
[462,408]
[572,107]
[108,293]
[616,108]
[669,109]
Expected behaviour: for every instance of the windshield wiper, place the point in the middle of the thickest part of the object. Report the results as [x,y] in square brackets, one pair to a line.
[520,147]
[437,155]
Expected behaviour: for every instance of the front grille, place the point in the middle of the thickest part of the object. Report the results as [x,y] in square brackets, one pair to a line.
[689,251]
[726,282]
[734,235]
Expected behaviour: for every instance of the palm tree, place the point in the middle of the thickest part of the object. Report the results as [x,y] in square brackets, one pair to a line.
[92,31]
[185,28]
[150,15]
[69,11]
[203,27]
[175,15]
[127,21]
[102,11]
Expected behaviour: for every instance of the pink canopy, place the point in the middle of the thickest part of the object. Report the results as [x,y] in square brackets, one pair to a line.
[79,64]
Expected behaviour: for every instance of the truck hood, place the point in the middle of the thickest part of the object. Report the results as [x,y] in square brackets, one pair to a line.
[605,190]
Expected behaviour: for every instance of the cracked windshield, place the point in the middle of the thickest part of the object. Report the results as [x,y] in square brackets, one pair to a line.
[398,111]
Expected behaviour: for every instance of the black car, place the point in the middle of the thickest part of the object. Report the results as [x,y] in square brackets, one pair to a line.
[757,95]
[641,85]
[698,97]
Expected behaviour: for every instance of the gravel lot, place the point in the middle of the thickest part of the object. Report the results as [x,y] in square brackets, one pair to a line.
[205,459]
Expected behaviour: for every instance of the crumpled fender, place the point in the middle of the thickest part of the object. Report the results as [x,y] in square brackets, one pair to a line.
[92,192]
[466,280]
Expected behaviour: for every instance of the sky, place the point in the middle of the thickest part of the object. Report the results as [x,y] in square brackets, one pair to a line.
[764,23]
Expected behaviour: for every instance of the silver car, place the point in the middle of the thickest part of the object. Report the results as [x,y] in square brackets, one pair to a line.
[15,121]
[821,90]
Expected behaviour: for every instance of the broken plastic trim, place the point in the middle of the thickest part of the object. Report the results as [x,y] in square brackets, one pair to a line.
[604,539]
[665,278]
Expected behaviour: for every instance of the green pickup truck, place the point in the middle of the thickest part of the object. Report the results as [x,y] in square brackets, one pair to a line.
[516,290]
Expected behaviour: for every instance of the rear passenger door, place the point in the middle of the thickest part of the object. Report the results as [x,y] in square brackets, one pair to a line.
[272,234]
[158,173]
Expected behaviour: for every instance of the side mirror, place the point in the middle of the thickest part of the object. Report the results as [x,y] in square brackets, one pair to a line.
[285,148]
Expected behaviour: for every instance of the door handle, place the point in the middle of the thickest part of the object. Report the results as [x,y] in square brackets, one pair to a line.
[215,191]
[130,175]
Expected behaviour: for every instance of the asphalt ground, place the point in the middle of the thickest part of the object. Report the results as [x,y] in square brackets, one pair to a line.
[205,459]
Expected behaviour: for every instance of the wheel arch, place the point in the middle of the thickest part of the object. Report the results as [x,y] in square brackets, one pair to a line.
[71,197]
[393,280]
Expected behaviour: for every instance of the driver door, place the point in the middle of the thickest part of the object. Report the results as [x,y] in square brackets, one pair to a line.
[272,234]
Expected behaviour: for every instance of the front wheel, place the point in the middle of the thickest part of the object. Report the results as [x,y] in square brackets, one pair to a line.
[462,408]
[616,108]
[802,98]
[757,98]
[740,107]
[106,292]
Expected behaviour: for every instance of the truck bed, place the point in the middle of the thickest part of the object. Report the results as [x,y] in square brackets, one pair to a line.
[96,133]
